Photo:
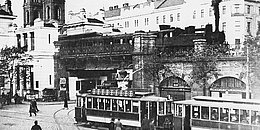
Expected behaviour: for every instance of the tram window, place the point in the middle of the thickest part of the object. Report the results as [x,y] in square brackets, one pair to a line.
[101,103]
[224,112]
[195,112]
[204,112]
[135,106]
[168,108]
[179,110]
[95,103]
[244,116]
[255,118]
[214,113]
[107,104]
[114,104]
[89,102]
[234,115]
[161,107]
[121,105]
[128,105]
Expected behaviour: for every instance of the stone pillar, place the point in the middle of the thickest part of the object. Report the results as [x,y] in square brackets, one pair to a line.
[143,47]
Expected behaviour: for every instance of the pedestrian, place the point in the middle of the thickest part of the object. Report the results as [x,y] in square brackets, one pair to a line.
[112,124]
[36,126]
[145,123]
[151,125]
[4,98]
[118,124]
[16,96]
[34,104]
[32,110]
[167,124]
[8,98]
[66,103]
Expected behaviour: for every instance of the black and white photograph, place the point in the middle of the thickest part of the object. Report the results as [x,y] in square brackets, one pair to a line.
[129,64]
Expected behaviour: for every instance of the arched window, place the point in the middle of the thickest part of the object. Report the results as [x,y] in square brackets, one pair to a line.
[57,14]
[27,15]
[48,12]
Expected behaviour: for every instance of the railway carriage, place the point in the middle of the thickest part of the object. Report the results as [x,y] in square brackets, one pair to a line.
[98,107]
[217,113]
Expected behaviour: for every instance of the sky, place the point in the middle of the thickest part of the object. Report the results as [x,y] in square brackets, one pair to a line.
[74,5]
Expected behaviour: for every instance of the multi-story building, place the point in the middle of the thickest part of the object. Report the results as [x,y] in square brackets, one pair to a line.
[7,36]
[238,18]
[42,19]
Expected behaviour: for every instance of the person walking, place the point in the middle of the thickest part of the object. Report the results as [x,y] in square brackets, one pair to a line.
[36,126]
[66,102]
[32,109]
[112,124]
[145,123]
[118,124]
[34,104]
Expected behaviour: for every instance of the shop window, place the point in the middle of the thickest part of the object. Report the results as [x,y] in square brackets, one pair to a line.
[196,112]
[204,112]
[234,115]
[214,113]
[224,112]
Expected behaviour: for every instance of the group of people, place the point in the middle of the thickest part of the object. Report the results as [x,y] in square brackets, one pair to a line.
[147,124]
[115,125]
[33,107]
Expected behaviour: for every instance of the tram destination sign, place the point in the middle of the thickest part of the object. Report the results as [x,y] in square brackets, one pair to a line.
[113,92]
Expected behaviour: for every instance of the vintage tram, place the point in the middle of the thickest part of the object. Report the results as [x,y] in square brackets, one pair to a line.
[217,113]
[98,107]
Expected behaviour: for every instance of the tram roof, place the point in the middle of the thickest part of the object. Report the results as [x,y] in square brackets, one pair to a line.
[234,105]
[226,99]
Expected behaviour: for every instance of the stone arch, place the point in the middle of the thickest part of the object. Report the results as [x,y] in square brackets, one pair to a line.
[175,88]
[228,86]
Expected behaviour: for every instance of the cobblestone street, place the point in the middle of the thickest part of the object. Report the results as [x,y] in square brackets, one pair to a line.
[51,116]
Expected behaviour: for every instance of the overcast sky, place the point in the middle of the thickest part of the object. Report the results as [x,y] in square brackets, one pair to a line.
[74,5]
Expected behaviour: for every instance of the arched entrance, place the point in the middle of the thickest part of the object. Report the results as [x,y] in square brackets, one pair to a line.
[228,87]
[175,88]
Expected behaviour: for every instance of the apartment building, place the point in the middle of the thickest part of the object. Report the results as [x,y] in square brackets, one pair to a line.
[238,18]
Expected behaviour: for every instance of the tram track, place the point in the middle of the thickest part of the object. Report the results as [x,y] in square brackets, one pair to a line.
[62,119]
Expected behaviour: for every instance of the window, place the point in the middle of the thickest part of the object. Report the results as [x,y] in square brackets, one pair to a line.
[101,103]
[202,13]
[121,105]
[244,116]
[50,79]
[49,38]
[248,9]
[95,103]
[179,110]
[204,112]
[37,84]
[237,43]
[224,114]
[214,113]
[171,17]
[248,27]
[210,12]
[136,23]
[32,40]
[224,9]
[237,8]
[114,104]
[178,16]
[194,14]
[27,17]
[18,40]
[161,107]
[89,102]
[255,118]
[107,104]
[135,106]
[146,21]
[224,25]
[126,24]
[196,112]
[128,105]
[234,115]
[157,20]
[77,85]
[163,18]
[48,12]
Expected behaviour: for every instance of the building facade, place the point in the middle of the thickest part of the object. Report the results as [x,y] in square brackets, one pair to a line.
[238,18]
[42,22]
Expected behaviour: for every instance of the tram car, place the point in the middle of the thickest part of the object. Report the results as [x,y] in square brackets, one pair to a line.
[217,113]
[101,105]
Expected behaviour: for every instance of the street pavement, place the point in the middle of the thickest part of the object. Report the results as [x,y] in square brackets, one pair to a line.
[51,116]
